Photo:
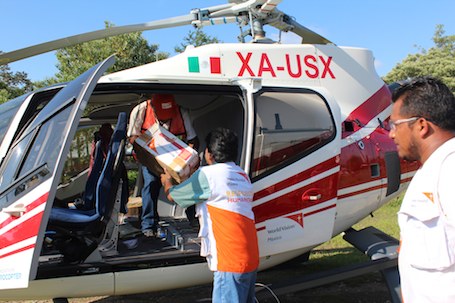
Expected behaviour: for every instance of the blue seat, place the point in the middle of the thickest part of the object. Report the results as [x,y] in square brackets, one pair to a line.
[105,193]
[88,198]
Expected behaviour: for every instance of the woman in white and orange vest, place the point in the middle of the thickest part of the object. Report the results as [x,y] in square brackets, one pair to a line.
[161,107]
[223,195]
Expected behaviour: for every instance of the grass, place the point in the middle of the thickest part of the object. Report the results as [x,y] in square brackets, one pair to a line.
[338,252]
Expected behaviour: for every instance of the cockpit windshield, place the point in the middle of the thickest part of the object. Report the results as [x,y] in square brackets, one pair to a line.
[8,111]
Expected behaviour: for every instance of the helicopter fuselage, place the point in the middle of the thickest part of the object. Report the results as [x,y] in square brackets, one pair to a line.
[311,122]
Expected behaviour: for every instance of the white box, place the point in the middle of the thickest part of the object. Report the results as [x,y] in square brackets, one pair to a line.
[157,148]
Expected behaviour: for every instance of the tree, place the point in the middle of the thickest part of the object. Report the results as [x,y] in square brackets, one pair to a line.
[46,82]
[130,49]
[13,84]
[195,37]
[438,61]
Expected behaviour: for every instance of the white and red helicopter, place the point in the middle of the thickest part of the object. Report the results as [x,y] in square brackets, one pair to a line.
[311,121]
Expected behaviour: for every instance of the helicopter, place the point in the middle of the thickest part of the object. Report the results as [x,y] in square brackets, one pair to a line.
[312,122]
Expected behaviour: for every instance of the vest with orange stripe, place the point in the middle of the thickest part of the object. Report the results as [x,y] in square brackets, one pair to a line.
[227,228]
[162,107]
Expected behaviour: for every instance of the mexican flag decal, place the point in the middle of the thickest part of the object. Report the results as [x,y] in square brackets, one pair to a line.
[198,65]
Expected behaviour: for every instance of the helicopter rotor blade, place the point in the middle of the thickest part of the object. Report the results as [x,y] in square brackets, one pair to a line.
[308,36]
[197,17]
[234,9]
[286,23]
[238,6]
[233,12]
[269,6]
[26,52]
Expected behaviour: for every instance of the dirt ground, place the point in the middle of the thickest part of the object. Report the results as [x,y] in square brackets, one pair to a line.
[360,291]
[370,289]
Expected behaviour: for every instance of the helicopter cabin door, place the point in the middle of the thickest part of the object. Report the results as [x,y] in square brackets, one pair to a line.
[30,173]
[294,169]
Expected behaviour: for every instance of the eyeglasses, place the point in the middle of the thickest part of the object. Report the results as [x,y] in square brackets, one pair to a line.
[393,124]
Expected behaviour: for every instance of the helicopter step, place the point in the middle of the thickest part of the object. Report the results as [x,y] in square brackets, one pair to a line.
[380,247]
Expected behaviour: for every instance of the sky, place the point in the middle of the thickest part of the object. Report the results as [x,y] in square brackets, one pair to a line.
[392,29]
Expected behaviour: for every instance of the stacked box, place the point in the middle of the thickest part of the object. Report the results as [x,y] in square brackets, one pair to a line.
[157,148]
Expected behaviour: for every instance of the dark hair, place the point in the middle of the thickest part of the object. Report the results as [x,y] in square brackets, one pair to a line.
[222,143]
[429,98]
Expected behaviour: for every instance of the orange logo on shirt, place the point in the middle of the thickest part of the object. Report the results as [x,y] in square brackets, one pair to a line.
[429,196]
[244,175]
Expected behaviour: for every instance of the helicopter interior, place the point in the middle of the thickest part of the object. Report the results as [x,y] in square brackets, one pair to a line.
[110,234]
[289,125]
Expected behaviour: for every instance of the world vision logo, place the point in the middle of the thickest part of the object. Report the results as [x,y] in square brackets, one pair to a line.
[198,65]
[429,196]
[297,218]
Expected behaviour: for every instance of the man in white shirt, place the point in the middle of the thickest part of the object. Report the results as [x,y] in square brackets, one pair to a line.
[423,128]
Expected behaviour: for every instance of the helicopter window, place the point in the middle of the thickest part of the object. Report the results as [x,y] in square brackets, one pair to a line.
[289,125]
[78,158]
[14,161]
[50,136]
[36,149]
[7,112]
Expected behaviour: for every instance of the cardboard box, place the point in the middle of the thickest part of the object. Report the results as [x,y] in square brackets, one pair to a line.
[157,148]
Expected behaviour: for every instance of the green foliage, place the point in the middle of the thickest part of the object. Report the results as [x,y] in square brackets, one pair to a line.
[4,95]
[132,177]
[46,82]
[79,156]
[196,38]
[130,49]
[438,61]
[13,84]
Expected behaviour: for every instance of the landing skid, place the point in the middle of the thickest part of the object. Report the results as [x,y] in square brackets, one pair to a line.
[380,247]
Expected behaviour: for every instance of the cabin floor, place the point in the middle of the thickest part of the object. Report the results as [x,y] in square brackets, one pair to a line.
[179,235]
[131,249]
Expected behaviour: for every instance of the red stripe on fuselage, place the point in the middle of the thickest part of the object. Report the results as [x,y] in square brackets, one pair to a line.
[31,246]
[311,172]
[21,232]
[28,208]
[319,210]
[293,201]
[26,229]
[355,193]
[307,214]
[366,190]
[406,180]
[369,109]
